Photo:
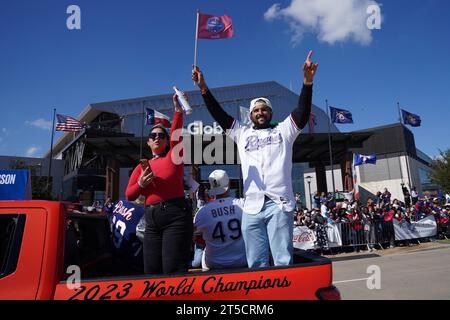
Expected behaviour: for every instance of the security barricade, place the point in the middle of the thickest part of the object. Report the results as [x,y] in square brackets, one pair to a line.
[353,234]
[384,232]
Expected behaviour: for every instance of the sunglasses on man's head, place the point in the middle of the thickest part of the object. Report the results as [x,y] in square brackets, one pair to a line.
[160,135]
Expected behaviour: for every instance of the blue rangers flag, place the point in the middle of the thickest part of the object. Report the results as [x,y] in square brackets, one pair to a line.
[410,118]
[359,159]
[340,115]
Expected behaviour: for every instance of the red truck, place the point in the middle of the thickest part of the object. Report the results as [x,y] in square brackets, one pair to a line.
[40,255]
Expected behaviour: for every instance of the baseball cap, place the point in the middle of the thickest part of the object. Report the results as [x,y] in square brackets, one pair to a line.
[218,180]
[253,103]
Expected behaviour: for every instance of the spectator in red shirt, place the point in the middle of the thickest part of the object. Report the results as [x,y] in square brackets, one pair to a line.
[388,215]
[388,225]
[168,215]
[398,215]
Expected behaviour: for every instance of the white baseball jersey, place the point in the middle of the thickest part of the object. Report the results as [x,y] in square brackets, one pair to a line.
[219,222]
[266,161]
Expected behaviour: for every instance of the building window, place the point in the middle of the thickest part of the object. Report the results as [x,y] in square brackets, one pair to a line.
[424,177]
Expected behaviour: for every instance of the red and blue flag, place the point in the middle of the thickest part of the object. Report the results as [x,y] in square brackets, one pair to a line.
[214,27]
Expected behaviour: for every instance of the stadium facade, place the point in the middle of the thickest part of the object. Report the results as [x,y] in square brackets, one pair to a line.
[99,158]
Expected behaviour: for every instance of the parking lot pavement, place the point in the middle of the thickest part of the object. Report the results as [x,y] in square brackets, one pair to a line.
[421,272]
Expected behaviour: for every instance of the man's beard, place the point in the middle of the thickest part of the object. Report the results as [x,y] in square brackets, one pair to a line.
[265,124]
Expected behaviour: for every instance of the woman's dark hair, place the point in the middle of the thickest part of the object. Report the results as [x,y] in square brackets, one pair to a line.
[159,126]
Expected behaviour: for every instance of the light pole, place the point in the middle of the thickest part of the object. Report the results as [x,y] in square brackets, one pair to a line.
[308,179]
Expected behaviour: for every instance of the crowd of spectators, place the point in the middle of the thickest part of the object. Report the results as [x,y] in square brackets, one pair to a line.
[369,224]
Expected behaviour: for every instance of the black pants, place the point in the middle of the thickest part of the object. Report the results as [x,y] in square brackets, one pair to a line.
[168,237]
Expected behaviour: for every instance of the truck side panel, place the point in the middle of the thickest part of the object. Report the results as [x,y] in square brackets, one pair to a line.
[23,283]
[53,257]
[270,284]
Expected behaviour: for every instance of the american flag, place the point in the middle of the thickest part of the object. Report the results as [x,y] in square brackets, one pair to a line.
[66,123]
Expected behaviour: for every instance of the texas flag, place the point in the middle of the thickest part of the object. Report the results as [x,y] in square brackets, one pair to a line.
[214,27]
[154,117]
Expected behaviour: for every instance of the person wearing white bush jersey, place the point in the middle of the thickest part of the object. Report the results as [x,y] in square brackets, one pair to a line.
[265,151]
[219,223]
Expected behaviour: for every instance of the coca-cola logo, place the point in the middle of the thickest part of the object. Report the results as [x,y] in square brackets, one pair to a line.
[303,237]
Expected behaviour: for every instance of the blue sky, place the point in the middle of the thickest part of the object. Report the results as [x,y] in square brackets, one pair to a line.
[128,49]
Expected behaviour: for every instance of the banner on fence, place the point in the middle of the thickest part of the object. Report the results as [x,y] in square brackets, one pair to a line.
[334,235]
[426,227]
[304,238]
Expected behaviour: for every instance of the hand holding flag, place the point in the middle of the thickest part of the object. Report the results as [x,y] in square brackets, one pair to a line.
[198,78]
[309,69]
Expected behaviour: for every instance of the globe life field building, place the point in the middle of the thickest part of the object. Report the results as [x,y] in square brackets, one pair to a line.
[99,159]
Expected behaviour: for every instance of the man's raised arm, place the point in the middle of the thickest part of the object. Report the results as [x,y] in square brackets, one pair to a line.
[214,108]
[301,114]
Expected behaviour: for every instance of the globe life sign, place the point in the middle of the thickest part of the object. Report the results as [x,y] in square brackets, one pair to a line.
[209,145]
[197,127]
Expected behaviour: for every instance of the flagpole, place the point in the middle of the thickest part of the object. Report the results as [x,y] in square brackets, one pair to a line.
[407,169]
[355,179]
[406,152]
[329,145]
[51,151]
[142,129]
[196,39]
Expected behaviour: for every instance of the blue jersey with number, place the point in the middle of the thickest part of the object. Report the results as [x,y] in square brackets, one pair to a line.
[124,219]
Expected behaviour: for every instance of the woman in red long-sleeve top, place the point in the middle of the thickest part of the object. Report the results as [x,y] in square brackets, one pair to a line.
[168,216]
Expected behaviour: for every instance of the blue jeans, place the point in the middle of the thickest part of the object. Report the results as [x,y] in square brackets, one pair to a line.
[270,228]
[198,252]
